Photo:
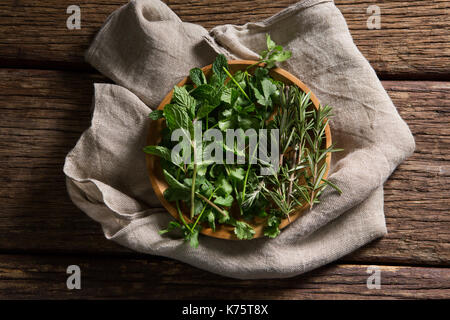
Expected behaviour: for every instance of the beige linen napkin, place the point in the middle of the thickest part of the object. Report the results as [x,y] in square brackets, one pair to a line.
[146,49]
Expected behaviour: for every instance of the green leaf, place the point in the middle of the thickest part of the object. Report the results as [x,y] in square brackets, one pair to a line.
[272,232]
[223,185]
[197,76]
[207,189]
[226,124]
[177,117]
[224,218]
[274,53]
[192,237]
[320,176]
[226,95]
[172,225]
[268,88]
[237,173]
[198,206]
[174,183]
[162,152]
[258,95]
[281,56]
[273,221]
[261,73]
[211,219]
[219,64]
[156,114]
[204,110]
[202,168]
[270,43]
[332,185]
[230,96]
[226,202]
[175,194]
[243,230]
[204,92]
[208,95]
[182,98]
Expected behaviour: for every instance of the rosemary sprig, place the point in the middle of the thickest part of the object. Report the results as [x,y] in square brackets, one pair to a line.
[302,134]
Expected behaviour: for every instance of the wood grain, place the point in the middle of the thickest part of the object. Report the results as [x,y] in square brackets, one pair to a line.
[413,41]
[43,113]
[23,277]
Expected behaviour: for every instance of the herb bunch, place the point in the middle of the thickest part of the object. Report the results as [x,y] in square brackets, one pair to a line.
[247,100]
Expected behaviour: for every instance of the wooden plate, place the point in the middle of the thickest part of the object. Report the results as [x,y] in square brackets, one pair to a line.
[156,174]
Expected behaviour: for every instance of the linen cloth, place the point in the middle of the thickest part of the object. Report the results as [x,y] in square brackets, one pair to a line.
[146,49]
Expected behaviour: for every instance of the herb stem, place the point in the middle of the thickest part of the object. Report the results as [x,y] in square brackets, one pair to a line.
[246,174]
[182,218]
[234,188]
[291,178]
[234,80]
[194,175]
[203,210]
[178,207]
[211,204]
[255,64]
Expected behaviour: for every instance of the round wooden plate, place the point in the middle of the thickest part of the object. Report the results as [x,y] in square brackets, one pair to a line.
[156,174]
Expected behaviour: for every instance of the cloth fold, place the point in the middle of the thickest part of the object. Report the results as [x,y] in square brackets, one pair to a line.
[146,49]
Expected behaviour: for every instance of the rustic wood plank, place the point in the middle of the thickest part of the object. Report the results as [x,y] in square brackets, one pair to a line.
[23,277]
[42,114]
[413,40]
[417,195]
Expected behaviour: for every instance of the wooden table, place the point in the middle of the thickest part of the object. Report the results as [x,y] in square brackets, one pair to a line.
[45,96]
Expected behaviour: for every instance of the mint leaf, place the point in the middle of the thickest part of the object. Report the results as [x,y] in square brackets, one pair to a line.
[156,114]
[182,98]
[197,76]
[208,93]
[204,110]
[162,152]
[218,65]
[204,92]
[226,95]
[177,117]
[243,230]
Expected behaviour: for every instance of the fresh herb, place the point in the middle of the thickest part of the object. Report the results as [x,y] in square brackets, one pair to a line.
[247,99]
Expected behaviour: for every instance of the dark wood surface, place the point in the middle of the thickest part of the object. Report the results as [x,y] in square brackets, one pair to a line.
[45,96]
[26,276]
